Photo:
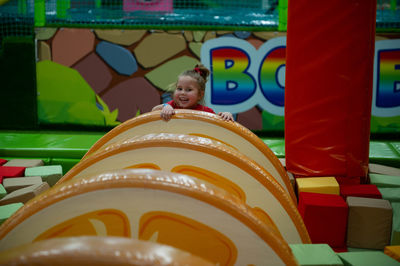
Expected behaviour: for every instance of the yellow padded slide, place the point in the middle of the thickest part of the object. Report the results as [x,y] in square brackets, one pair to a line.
[163,207]
[204,125]
[206,159]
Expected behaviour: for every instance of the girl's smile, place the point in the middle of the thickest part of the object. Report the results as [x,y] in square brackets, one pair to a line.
[187,93]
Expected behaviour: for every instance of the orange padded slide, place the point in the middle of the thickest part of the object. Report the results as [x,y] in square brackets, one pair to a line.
[204,125]
[206,159]
[163,207]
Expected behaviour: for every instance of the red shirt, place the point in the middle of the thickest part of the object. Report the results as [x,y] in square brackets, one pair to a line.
[198,107]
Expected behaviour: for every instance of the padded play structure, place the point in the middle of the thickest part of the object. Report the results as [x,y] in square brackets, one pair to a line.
[203,125]
[108,250]
[203,158]
[167,208]
[198,190]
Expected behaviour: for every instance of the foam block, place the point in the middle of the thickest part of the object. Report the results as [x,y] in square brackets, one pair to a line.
[393,252]
[315,254]
[367,258]
[3,192]
[384,180]
[369,223]
[391,194]
[383,169]
[7,210]
[348,180]
[3,161]
[365,191]
[24,162]
[24,194]
[324,185]
[325,216]
[12,184]
[395,224]
[49,173]
[11,171]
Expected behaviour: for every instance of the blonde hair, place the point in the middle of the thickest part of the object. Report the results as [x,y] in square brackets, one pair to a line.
[199,73]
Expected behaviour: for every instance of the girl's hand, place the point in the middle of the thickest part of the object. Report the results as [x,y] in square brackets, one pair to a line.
[226,116]
[166,112]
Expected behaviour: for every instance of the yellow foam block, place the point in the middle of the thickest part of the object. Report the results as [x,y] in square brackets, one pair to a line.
[393,251]
[324,185]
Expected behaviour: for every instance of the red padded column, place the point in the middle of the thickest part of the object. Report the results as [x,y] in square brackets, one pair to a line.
[328,88]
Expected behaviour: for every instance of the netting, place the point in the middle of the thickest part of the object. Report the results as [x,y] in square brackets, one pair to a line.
[388,14]
[18,17]
[166,13]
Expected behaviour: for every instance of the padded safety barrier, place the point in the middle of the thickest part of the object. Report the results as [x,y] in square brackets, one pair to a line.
[206,159]
[128,208]
[97,250]
[204,125]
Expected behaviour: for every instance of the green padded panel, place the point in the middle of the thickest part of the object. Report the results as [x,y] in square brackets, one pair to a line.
[67,148]
[66,163]
[367,258]
[47,144]
[385,152]
[7,210]
[277,145]
[382,152]
[383,181]
[315,254]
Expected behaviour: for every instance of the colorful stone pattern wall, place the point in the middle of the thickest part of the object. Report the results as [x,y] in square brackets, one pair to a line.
[103,77]
[131,70]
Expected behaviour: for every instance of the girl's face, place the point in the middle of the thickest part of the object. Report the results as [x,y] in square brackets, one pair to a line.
[187,93]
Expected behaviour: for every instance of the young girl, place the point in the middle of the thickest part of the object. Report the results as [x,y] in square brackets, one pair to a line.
[188,93]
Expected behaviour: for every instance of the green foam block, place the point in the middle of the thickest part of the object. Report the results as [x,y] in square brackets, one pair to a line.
[367,258]
[384,180]
[315,254]
[7,210]
[390,193]
[49,173]
[3,191]
[395,224]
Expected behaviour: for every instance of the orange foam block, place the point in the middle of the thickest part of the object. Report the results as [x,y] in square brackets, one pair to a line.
[393,251]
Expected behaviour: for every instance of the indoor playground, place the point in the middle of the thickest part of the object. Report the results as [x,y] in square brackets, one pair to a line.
[308,173]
